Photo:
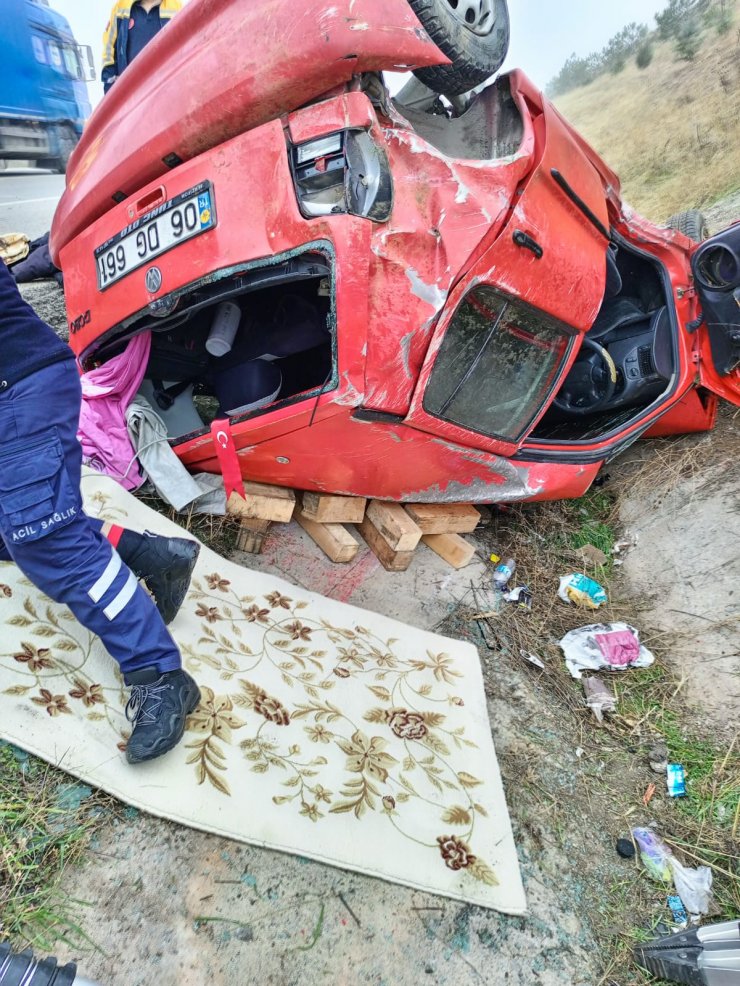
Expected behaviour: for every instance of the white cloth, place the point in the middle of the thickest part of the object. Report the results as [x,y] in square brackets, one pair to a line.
[160,465]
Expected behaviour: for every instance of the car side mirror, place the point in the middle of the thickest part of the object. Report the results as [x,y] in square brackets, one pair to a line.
[87,63]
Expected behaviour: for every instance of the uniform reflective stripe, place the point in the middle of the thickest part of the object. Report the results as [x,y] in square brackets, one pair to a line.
[123,597]
[106,579]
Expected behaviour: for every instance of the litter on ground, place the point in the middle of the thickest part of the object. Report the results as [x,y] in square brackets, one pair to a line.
[615,646]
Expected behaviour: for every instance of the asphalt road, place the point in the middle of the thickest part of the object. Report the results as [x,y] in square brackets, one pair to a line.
[28,200]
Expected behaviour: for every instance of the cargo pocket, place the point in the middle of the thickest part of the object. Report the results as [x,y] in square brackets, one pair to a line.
[36,496]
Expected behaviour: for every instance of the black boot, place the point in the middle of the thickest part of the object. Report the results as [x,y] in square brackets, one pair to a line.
[157,709]
[165,565]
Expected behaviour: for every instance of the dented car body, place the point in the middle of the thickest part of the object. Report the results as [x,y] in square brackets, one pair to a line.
[431,305]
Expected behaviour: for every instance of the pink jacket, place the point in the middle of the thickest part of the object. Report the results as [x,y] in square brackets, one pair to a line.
[106,393]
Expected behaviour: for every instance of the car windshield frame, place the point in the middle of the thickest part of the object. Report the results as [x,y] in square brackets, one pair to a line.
[525,325]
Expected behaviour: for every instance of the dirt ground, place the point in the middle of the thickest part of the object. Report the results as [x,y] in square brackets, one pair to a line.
[176,907]
[179,907]
[684,506]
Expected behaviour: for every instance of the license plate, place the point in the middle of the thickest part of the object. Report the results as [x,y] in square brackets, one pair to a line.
[187,215]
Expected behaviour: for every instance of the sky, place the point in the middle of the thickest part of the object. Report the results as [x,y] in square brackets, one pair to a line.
[543,32]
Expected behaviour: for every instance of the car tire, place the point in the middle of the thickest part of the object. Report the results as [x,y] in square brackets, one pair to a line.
[691,223]
[474,34]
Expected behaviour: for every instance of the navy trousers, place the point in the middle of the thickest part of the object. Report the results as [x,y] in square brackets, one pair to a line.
[48,536]
[5,555]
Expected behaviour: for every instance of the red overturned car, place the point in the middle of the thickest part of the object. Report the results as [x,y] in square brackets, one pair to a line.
[437,296]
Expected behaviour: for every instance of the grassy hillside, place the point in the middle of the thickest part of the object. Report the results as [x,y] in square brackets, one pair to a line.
[671,130]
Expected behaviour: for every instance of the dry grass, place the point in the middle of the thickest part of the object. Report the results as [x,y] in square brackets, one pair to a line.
[218,533]
[651,469]
[46,823]
[671,130]
[703,828]
[543,539]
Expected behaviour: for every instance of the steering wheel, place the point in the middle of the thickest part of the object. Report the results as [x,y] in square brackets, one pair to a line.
[590,384]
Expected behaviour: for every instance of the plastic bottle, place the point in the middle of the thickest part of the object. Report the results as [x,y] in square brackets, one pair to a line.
[223,330]
[502,573]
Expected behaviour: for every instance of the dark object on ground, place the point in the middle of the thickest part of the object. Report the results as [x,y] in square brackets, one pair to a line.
[165,565]
[658,758]
[707,956]
[22,969]
[626,848]
[38,265]
[157,709]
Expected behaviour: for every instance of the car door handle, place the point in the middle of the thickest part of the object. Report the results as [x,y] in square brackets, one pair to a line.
[523,239]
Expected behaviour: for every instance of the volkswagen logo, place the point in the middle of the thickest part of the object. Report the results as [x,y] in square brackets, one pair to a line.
[153,280]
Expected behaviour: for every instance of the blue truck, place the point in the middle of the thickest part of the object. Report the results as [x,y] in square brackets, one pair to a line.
[43,99]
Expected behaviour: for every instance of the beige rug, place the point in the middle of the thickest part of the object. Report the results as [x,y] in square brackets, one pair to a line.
[325,730]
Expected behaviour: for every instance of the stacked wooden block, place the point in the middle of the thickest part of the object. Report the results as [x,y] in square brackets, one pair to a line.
[392,530]
[323,516]
[256,510]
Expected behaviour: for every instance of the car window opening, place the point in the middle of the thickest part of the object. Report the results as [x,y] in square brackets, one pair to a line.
[497,365]
[238,350]
[634,327]
[490,125]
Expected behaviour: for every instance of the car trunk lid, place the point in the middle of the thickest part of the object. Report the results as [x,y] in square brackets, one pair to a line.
[218,70]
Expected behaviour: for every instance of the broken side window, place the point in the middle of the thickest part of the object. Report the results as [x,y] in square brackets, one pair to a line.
[498,364]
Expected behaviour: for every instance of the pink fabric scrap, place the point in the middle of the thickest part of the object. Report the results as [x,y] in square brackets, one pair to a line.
[620,648]
[106,393]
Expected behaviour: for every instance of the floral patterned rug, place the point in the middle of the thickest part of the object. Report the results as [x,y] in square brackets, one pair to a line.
[324,730]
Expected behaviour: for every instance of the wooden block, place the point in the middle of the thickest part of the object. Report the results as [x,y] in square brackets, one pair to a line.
[334,540]
[263,503]
[444,518]
[395,525]
[323,508]
[251,535]
[455,550]
[393,561]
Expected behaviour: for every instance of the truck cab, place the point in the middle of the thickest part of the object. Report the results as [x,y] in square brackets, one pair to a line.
[44,102]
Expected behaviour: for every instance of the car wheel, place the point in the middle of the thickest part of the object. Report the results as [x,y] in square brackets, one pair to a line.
[474,34]
[691,223]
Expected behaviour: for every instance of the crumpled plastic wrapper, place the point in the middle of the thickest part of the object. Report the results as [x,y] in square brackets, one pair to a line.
[579,589]
[615,646]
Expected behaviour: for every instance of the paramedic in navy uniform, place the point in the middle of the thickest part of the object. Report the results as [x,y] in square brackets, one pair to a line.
[63,552]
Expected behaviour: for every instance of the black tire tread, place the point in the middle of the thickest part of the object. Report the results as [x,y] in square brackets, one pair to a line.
[691,223]
[451,80]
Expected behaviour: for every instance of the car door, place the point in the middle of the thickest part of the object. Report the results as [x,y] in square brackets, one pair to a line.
[513,323]
[716,268]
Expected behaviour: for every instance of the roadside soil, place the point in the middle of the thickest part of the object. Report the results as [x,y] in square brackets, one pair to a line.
[682,501]
[176,907]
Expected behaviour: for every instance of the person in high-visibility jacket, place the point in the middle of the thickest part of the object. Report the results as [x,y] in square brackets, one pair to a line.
[130,29]
[65,553]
